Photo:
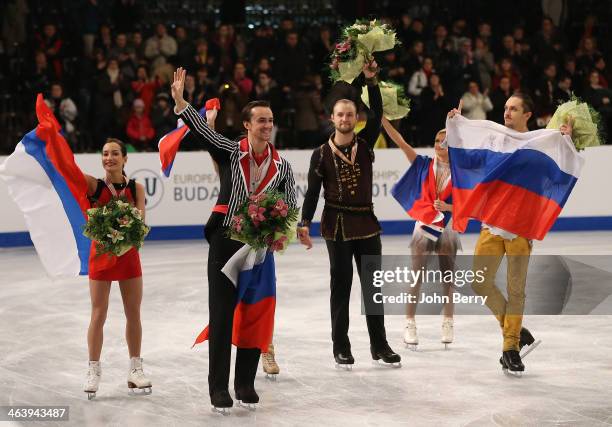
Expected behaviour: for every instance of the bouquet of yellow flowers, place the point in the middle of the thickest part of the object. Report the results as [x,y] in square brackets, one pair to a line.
[356,47]
[395,103]
[265,221]
[115,227]
[586,130]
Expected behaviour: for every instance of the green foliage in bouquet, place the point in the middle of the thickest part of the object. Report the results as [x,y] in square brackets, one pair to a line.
[265,221]
[586,122]
[116,227]
[356,47]
[396,104]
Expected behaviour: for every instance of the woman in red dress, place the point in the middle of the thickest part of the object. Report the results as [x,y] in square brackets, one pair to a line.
[103,270]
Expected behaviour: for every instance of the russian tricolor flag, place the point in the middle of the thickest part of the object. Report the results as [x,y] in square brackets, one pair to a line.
[517,181]
[416,193]
[51,191]
[169,144]
[254,275]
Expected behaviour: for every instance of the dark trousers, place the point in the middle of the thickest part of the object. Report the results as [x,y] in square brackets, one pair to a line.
[341,254]
[221,303]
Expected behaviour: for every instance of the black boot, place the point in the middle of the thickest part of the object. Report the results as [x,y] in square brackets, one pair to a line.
[512,360]
[344,358]
[386,354]
[246,395]
[526,338]
[221,401]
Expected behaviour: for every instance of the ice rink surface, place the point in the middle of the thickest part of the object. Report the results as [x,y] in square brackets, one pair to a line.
[43,352]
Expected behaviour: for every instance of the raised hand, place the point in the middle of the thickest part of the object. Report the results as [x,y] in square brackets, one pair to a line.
[456,111]
[370,69]
[177,87]
[568,127]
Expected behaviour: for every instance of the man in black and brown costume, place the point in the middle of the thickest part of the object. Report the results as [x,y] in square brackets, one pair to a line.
[344,167]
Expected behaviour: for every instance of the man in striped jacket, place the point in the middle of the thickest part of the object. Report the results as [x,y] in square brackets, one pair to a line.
[250,166]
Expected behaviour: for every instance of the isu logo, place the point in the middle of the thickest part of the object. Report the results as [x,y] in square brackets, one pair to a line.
[154,187]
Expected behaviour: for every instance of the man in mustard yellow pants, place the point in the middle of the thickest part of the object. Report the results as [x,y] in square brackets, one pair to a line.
[491,247]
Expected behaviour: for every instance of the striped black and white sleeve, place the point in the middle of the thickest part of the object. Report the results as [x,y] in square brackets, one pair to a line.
[290,193]
[197,124]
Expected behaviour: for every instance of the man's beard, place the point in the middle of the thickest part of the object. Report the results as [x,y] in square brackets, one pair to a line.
[345,131]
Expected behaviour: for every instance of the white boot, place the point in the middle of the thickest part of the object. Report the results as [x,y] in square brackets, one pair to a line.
[136,377]
[447,331]
[269,364]
[93,379]
[410,334]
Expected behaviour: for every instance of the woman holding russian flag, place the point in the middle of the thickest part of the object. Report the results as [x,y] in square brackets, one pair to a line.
[126,269]
[425,194]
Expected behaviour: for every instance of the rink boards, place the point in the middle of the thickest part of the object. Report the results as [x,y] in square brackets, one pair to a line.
[178,206]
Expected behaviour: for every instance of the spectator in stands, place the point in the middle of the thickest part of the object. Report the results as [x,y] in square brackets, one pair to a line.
[586,54]
[505,69]
[65,111]
[110,93]
[191,92]
[203,57]
[160,47]
[144,87]
[415,58]
[204,84]
[604,75]
[563,91]
[263,43]
[139,129]
[266,89]
[162,116]
[392,69]
[241,80]
[498,97]
[138,47]
[476,105]
[308,111]
[50,42]
[224,49]
[292,62]
[40,74]
[186,50]
[124,55]
[436,103]
[485,62]
[545,94]
[600,98]
[104,40]
[419,79]
[322,49]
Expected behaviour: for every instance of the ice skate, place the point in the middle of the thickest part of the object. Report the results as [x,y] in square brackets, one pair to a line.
[247,397]
[344,360]
[93,379]
[269,365]
[527,342]
[385,356]
[137,382]
[221,402]
[447,332]
[511,363]
[410,335]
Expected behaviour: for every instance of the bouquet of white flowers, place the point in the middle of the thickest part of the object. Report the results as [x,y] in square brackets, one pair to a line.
[115,227]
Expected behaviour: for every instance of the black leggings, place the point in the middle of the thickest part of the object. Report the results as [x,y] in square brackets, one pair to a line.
[221,303]
[341,254]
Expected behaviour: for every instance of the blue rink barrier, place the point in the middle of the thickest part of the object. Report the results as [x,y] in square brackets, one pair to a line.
[185,232]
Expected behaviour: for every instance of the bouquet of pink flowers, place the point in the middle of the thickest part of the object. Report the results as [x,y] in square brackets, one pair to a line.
[265,221]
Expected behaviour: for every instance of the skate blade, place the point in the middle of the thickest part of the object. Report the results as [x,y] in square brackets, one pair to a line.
[381,362]
[447,344]
[513,374]
[250,406]
[530,348]
[271,377]
[145,391]
[223,411]
[412,347]
[344,366]
[91,395]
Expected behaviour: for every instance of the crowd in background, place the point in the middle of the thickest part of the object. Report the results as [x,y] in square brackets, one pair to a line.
[111,77]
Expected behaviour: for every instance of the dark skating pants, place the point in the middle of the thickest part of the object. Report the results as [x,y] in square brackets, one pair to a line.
[221,303]
[341,254]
